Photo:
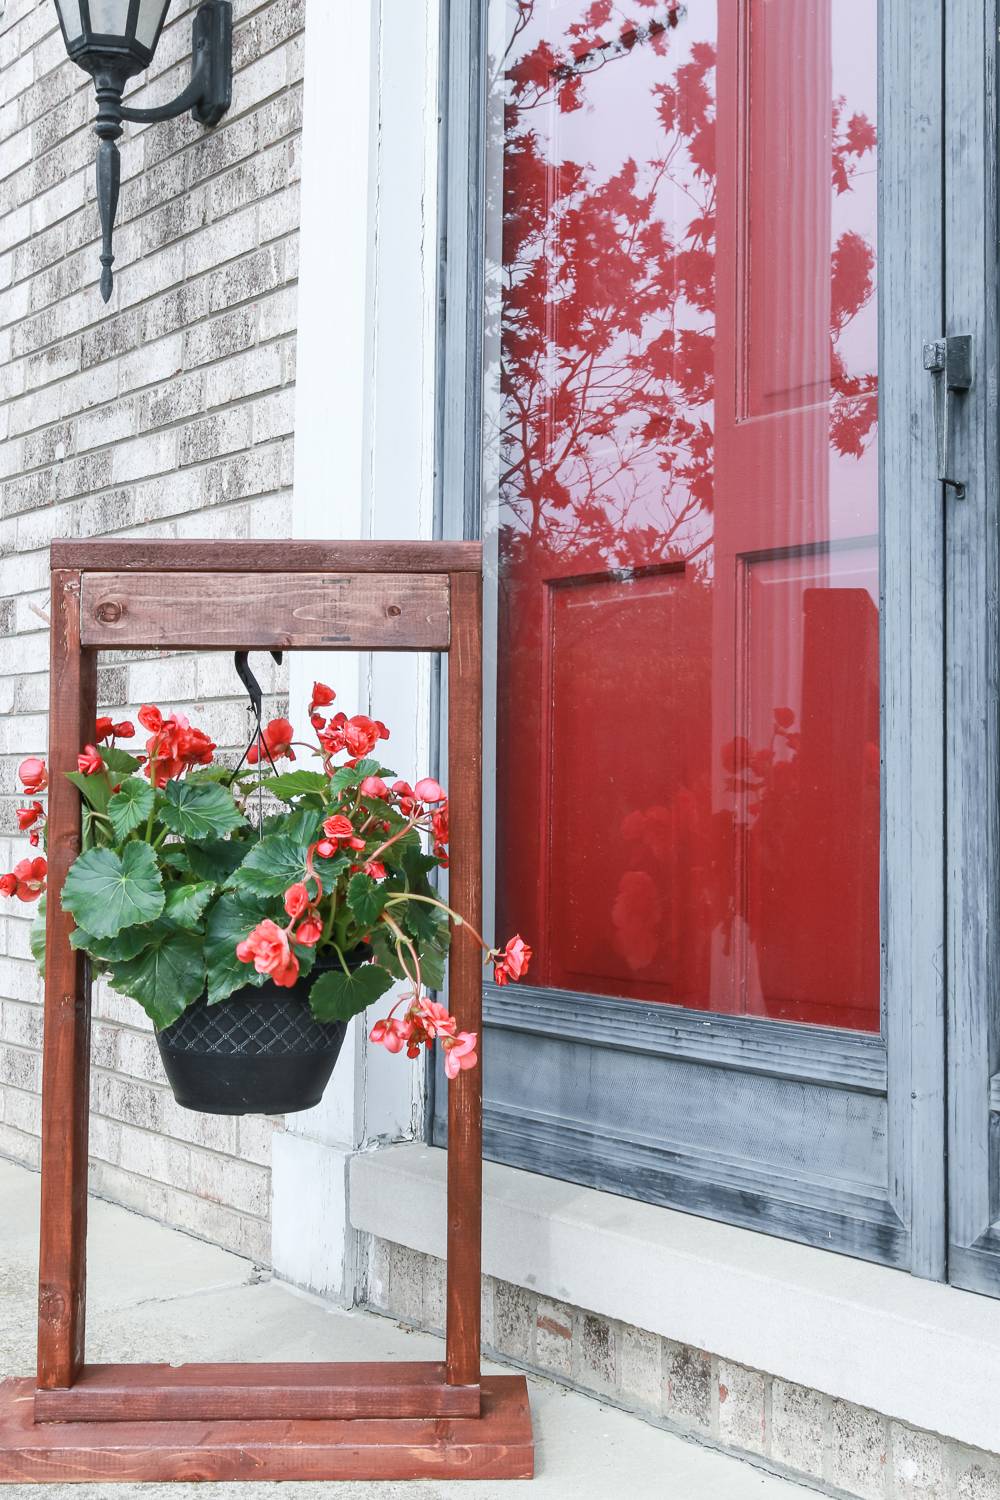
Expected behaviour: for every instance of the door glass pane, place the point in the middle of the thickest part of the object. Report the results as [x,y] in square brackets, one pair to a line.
[686,502]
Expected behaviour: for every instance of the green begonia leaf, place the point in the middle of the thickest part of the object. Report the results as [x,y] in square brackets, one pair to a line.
[131,806]
[125,945]
[105,891]
[272,865]
[94,789]
[366,898]
[336,996]
[186,904]
[213,859]
[119,762]
[166,977]
[298,784]
[200,809]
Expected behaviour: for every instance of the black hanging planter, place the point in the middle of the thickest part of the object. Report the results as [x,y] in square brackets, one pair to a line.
[261,1052]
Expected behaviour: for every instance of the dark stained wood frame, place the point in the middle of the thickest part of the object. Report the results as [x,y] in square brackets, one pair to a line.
[307,1421]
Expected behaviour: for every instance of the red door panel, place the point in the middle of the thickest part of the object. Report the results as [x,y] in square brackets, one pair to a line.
[688,719]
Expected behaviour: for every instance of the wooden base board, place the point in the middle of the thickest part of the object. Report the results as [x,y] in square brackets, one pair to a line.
[496,1445]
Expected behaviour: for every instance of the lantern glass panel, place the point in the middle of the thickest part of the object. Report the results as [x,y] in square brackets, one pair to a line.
[69,14]
[151,13]
[109,17]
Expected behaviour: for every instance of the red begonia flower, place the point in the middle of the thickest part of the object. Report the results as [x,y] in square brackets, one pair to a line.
[277,738]
[309,932]
[374,786]
[296,899]
[513,961]
[340,833]
[103,729]
[34,777]
[429,790]
[89,761]
[8,885]
[321,696]
[150,718]
[26,816]
[30,876]
[267,948]
[459,1052]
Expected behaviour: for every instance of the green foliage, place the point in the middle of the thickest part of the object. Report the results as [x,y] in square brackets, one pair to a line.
[211,859]
[366,898]
[126,945]
[200,810]
[131,806]
[171,880]
[272,865]
[336,996]
[96,790]
[105,891]
[166,977]
[186,904]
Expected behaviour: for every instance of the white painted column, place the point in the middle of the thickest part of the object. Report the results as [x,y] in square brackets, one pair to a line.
[364,456]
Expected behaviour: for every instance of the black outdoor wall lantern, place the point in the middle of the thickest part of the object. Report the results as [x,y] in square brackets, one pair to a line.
[114,39]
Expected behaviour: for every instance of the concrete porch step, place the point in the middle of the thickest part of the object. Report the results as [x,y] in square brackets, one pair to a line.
[156,1294]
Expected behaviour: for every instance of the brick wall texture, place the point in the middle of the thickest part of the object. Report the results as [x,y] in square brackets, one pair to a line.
[166,413]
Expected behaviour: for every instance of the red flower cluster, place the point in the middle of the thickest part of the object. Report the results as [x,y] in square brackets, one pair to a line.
[358,735]
[34,778]
[423,1023]
[26,881]
[173,745]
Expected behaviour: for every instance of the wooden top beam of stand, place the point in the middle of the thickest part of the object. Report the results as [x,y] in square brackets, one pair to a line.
[100,555]
[273,611]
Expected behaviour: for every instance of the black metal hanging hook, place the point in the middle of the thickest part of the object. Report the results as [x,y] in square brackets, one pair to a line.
[256,695]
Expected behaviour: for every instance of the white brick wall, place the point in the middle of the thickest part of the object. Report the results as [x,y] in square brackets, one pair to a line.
[166,413]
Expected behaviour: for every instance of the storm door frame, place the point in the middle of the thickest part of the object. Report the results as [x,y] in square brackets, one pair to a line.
[902,1222]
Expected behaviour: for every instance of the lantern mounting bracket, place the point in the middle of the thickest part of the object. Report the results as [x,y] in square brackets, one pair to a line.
[210,91]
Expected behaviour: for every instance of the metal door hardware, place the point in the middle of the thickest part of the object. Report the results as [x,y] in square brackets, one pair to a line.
[949,360]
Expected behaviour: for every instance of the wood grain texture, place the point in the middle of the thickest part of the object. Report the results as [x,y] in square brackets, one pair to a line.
[66,1042]
[497,1445]
[102,555]
[274,611]
[272,1392]
[465,974]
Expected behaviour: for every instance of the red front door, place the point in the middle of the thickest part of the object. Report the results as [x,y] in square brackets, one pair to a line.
[688,709]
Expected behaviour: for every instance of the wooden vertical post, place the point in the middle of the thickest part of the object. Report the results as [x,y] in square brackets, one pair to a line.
[465,1093]
[62,1267]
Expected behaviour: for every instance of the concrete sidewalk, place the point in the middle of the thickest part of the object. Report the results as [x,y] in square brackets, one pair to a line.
[155,1294]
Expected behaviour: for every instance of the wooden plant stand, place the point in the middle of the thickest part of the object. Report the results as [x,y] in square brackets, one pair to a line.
[266,1421]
